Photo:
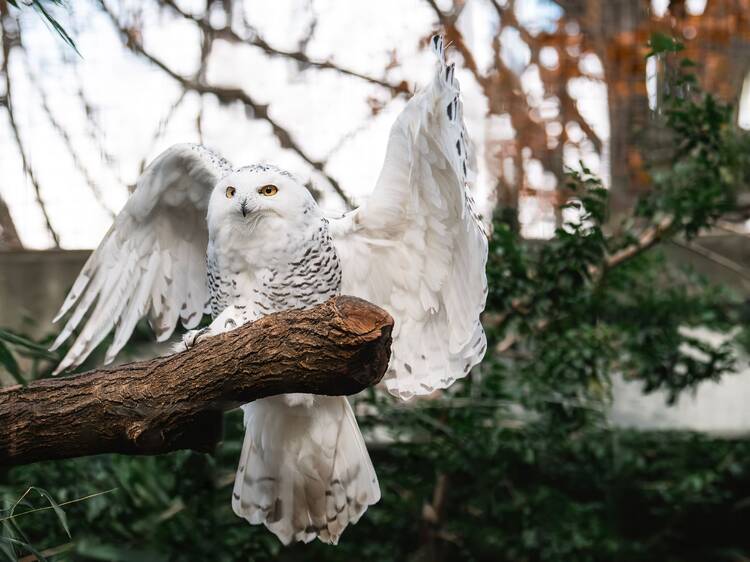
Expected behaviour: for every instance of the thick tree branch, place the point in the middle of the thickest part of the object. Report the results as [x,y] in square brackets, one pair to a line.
[175,402]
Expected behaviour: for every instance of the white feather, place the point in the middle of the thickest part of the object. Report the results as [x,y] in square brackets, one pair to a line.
[304,470]
[152,261]
[431,274]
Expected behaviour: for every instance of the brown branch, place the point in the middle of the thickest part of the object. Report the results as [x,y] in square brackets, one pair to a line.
[337,348]
[229,35]
[646,240]
[7,46]
[161,128]
[227,96]
[65,136]
[570,105]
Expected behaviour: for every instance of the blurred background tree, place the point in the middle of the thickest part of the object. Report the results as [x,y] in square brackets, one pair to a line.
[600,165]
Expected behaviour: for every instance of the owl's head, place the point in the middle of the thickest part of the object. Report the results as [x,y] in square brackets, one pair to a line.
[251,194]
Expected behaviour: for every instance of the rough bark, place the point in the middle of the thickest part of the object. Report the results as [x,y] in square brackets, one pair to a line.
[175,402]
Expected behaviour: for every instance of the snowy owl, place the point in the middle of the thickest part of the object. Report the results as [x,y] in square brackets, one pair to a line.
[198,235]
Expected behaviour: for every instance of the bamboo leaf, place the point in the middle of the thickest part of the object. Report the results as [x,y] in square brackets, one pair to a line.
[9,363]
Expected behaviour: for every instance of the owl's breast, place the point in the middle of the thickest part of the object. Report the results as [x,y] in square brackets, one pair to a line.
[302,274]
[311,276]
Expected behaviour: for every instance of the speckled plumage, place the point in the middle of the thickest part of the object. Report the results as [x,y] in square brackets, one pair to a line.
[307,273]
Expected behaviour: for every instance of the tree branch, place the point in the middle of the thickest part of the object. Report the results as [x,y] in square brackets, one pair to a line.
[227,34]
[339,347]
[226,96]
[646,240]
[7,46]
[65,136]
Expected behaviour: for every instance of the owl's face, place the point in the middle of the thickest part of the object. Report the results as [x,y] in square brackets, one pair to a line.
[249,195]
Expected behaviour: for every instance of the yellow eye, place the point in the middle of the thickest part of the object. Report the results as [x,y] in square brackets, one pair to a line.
[268,190]
[230,192]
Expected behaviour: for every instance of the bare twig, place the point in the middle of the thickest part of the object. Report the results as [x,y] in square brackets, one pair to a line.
[646,240]
[160,128]
[227,96]
[7,47]
[229,35]
[58,127]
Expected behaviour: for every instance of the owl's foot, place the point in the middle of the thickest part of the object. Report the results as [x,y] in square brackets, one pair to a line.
[191,337]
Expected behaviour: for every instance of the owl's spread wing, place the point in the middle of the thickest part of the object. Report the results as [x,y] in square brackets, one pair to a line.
[416,246]
[153,259]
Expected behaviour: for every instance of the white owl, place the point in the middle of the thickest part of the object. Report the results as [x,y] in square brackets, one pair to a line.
[200,236]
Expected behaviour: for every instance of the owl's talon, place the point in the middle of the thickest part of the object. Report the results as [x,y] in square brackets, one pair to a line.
[191,337]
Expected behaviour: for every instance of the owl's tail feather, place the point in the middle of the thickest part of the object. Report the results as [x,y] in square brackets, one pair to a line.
[304,471]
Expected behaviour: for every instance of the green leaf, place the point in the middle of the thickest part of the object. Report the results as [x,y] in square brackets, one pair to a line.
[661,43]
[50,19]
[14,339]
[9,362]
[56,25]
[25,546]
[58,510]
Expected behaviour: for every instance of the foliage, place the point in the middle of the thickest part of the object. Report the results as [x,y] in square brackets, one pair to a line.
[12,344]
[520,451]
[43,8]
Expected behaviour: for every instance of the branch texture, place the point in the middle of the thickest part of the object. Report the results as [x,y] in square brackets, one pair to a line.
[176,402]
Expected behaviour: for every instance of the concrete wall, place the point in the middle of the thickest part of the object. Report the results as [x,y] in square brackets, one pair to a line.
[33,285]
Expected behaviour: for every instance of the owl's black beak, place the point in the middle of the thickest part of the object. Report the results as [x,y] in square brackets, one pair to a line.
[243,207]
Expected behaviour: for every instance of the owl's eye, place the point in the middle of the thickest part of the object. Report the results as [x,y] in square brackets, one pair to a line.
[268,190]
[230,192]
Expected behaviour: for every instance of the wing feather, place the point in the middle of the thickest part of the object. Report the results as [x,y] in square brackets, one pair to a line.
[417,248]
[152,261]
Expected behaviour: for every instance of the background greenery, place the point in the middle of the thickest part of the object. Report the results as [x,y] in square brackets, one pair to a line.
[517,461]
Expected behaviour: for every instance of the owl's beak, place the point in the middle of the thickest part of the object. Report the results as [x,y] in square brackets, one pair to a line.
[243,207]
